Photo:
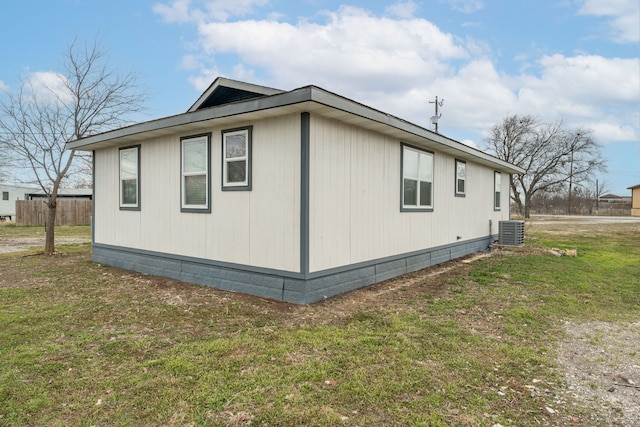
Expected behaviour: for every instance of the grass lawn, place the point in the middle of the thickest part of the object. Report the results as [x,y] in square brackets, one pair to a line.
[9,230]
[459,344]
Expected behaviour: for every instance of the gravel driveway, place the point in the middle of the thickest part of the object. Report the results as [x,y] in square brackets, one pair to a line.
[601,366]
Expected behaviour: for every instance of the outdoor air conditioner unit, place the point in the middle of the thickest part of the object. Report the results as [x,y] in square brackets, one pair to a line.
[511,233]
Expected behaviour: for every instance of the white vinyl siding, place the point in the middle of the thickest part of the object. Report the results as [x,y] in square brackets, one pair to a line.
[195,167]
[130,178]
[236,159]
[417,179]
[355,193]
[257,228]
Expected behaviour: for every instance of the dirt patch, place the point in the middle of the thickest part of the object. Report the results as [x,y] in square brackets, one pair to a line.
[601,366]
[26,243]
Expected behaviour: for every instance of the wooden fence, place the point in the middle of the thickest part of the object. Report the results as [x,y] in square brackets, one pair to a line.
[68,212]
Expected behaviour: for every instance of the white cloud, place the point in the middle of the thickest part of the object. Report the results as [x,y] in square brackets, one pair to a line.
[3,86]
[404,10]
[177,11]
[592,78]
[624,17]
[465,6]
[406,62]
[591,91]
[611,131]
[203,10]
[190,62]
[476,96]
[202,81]
[48,87]
[340,52]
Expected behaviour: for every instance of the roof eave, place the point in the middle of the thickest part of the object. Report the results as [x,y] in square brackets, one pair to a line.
[207,114]
[345,104]
[302,97]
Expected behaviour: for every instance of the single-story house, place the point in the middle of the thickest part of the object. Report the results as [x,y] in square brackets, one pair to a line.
[8,196]
[614,198]
[292,195]
[635,200]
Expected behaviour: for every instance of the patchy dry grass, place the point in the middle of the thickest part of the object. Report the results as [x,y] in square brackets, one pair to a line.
[464,343]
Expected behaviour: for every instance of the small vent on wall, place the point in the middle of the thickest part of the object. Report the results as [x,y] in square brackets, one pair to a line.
[511,233]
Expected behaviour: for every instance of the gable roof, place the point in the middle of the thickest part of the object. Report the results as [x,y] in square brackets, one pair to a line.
[633,187]
[225,91]
[227,101]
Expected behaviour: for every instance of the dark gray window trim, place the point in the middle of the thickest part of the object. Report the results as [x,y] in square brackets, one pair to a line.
[208,208]
[455,179]
[139,205]
[402,208]
[497,201]
[247,187]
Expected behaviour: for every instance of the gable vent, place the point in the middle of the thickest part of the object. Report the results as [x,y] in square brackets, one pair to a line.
[511,233]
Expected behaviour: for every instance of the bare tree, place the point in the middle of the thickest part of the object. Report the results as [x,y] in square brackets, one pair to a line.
[50,110]
[551,156]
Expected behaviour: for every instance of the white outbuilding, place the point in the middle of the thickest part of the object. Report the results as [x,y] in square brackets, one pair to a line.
[9,194]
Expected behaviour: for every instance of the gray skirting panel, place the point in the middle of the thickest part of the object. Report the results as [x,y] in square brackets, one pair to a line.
[277,284]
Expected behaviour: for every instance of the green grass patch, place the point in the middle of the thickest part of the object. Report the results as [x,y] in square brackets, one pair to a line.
[9,230]
[84,344]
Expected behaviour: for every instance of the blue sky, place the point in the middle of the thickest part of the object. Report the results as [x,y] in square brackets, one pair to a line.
[572,60]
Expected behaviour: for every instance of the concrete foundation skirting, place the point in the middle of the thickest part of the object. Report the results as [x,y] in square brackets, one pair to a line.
[278,284]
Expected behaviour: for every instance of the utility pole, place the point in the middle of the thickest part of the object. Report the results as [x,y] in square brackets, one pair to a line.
[597,197]
[573,145]
[434,119]
[570,180]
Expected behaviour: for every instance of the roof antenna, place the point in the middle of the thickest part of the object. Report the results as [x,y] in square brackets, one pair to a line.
[434,119]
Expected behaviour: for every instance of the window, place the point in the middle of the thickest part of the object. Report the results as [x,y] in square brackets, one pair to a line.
[130,178]
[417,179]
[236,159]
[5,195]
[461,178]
[497,185]
[196,178]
